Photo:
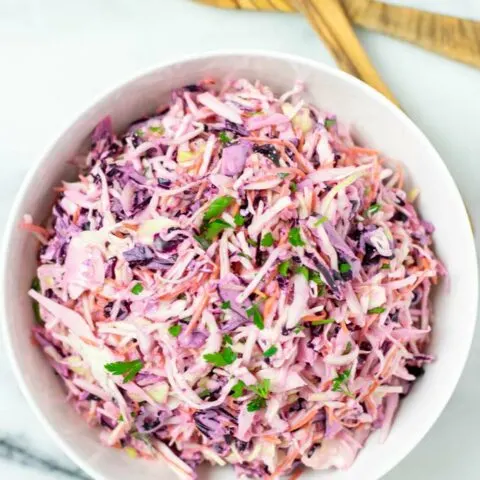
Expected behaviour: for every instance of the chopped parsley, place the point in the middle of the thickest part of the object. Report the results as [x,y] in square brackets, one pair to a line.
[267,240]
[310,274]
[228,339]
[204,393]
[225,305]
[160,129]
[339,383]
[376,310]
[239,220]
[254,312]
[283,175]
[348,348]
[256,404]
[175,330]
[217,207]
[283,268]
[137,289]
[293,187]
[303,271]
[295,238]
[315,277]
[329,123]
[221,359]
[298,329]
[224,138]
[270,351]
[252,242]
[204,243]
[215,227]
[385,266]
[128,370]
[344,267]
[238,389]
[373,208]
[262,391]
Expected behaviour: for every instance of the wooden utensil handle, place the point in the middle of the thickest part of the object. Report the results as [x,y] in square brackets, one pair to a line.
[456,38]
[329,20]
[453,37]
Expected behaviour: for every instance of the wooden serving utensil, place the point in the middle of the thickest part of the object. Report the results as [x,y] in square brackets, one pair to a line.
[329,20]
[456,38]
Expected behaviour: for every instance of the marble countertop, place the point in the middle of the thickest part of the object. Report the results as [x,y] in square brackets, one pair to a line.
[57,56]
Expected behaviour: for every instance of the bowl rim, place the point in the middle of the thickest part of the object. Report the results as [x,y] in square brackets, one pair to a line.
[405,448]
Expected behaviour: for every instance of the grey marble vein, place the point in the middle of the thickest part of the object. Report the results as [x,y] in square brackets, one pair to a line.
[11,450]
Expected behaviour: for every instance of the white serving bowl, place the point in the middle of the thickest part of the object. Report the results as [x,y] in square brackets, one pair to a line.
[376,123]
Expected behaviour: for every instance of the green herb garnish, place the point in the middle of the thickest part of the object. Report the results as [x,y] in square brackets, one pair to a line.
[293,187]
[373,208]
[283,268]
[376,310]
[256,404]
[225,305]
[303,271]
[215,227]
[315,277]
[220,359]
[298,329]
[137,289]
[204,393]
[385,266]
[330,122]
[339,383]
[262,390]
[128,370]
[238,389]
[252,242]
[224,138]
[217,207]
[159,129]
[204,243]
[344,267]
[348,348]
[295,238]
[239,220]
[227,339]
[283,175]
[175,330]
[267,240]
[270,351]
[254,312]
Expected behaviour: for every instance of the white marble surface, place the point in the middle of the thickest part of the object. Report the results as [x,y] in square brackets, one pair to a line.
[56,56]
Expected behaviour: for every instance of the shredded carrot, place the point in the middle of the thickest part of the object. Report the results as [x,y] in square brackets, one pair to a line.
[314,318]
[361,150]
[297,473]
[304,420]
[198,313]
[285,464]
[30,227]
